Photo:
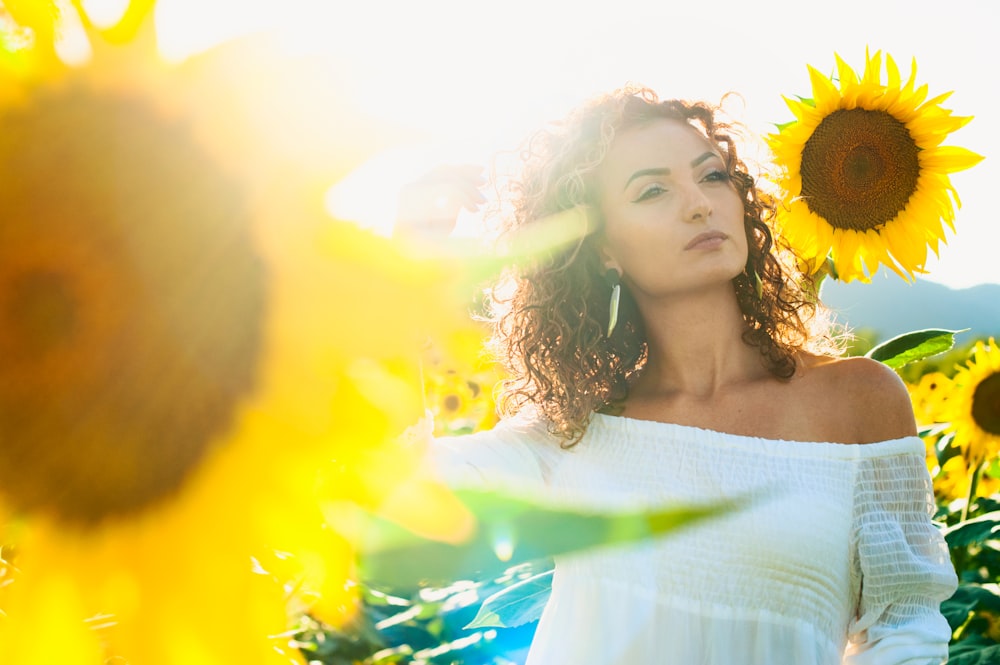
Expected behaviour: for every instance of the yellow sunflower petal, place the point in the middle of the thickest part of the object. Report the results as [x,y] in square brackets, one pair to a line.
[873,69]
[846,256]
[875,250]
[949,158]
[930,131]
[825,94]
[796,107]
[911,255]
[848,84]
[892,73]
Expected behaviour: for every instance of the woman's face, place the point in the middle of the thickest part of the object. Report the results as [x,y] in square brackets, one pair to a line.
[673,220]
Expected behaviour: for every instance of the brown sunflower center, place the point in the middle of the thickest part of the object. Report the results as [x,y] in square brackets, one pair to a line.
[41,312]
[859,169]
[986,404]
[131,306]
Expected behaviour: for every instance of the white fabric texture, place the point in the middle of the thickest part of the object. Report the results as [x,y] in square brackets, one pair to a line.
[834,562]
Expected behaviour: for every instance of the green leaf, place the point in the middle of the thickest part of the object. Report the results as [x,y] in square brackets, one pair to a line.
[974,531]
[913,346]
[979,652]
[516,605]
[967,599]
[511,530]
[993,469]
[944,450]
[782,126]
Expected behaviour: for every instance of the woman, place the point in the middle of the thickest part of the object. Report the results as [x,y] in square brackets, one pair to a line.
[667,353]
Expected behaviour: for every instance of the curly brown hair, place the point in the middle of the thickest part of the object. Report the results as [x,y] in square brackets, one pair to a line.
[550,310]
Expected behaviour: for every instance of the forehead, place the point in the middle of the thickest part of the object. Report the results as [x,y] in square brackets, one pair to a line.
[658,143]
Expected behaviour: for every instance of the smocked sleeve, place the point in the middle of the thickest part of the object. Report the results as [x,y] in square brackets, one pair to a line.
[903,563]
[516,455]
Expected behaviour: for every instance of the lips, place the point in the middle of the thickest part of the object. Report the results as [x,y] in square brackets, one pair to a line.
[707,239]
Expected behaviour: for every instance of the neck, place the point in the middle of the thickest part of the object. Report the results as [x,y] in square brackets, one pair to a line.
[696,344]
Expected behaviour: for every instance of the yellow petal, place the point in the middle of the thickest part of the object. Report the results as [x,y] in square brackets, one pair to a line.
[873,69]
[825,95]
[948,158]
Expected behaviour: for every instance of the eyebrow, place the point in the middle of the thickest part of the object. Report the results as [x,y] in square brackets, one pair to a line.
[665,171]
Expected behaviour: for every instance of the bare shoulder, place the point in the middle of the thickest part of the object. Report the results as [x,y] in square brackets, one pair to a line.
[866,393]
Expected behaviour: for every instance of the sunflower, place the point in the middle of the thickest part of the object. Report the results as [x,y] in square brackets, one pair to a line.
[864,173]
[459,380]
[953,480]
[974,407]
[929,396]
[193,360]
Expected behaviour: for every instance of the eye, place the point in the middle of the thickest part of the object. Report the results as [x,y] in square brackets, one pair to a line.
[716,176]
[650,191]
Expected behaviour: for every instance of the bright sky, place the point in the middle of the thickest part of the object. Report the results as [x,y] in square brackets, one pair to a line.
[475,77]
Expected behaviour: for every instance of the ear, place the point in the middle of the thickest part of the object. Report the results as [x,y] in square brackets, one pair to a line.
[596,232]
[608,259]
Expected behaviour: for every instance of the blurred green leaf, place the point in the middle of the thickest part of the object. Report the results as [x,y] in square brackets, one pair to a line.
[913,346]
[969,598]
[974,531]
[516,605]
[511,530]
[980,651]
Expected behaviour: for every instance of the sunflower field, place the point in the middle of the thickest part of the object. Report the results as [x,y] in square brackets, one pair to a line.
[213,392]
[892,153]
[490,620]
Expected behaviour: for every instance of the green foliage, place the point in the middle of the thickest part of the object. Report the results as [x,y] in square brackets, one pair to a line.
[973,612]
[411,609]
[516,605]
[429,626]
[968,599]
[511,530]
[913,346]
[971,526]
[945,363]
[974,531]
[490,620]
[977,651]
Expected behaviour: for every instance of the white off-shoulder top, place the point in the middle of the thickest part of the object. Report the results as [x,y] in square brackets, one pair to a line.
[836,561]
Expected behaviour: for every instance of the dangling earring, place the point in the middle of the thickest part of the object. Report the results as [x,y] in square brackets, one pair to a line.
[613,280]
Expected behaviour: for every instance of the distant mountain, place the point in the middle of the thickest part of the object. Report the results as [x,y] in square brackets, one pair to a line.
[891,306]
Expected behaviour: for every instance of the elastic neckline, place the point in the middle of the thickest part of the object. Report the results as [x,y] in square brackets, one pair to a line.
[636,428]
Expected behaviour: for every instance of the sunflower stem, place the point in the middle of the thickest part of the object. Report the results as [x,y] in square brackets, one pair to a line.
[974,474]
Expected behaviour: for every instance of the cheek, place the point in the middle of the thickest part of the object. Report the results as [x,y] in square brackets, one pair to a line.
[624,235]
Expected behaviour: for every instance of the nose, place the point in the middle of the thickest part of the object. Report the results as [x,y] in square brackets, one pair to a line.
[697,207]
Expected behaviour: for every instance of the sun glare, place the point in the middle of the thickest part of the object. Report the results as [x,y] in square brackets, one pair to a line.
[186,27]
[423,76]
[73,47]
[105,13]
[368,196]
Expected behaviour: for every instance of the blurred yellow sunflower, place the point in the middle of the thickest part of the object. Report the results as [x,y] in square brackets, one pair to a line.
[184,352]
[929,396]
[974,407]
[953,479]
[459,380]
[864,173]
